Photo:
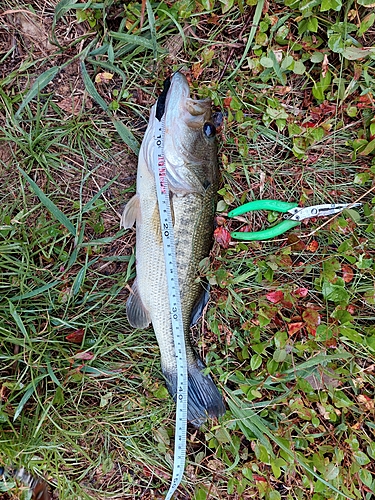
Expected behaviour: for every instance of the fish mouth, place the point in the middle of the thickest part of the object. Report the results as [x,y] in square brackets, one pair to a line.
[179,106]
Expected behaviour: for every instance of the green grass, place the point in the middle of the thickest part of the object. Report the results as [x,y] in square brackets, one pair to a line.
[289,332]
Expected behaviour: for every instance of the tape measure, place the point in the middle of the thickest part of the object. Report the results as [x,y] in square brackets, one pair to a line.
[174,304]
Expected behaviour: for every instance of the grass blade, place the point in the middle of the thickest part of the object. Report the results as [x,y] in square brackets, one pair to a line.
[51,207]
[36,292]
[90,87]
[254,26]
[251,420]
[135,40]
[42,81]
[88,206]
[126,135]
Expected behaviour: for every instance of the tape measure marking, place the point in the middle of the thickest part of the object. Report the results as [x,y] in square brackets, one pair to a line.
[174,305]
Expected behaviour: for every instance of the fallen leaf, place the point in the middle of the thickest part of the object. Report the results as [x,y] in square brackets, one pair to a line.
[366,401]
[322,410]
[222,236]
[331,343]
[297,244]
[259,478]
[313,246]
[72,105]
[196,70]
[84,355]
[311,317]
[295,327]
[76,337]
[227,101]
[351,309]
[347,273]
[324,65]
[320,378]
[275,297]
[301,292]
[220,221]
[103,77]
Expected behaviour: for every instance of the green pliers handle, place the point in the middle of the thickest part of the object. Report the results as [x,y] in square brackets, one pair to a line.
[266,234]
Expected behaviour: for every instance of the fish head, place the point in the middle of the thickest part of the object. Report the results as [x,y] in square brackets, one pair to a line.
[190,147]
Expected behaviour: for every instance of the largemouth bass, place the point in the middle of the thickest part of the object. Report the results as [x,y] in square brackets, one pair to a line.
[192,174]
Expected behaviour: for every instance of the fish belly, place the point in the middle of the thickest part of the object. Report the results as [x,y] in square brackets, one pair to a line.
[192,216]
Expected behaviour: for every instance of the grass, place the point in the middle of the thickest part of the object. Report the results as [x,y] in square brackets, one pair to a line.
[289,332]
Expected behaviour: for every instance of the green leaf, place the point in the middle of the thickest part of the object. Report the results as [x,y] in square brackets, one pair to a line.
[336,43]
[312,24]
[42,81]
[361,458]
[274,495]
[35,292]
[256,361]
[226,5]
[279,355]
[286,62]
[354,53]
[351,334]
[317,57]
[51,207]
[366,477]
[368,149]
[262,454]
[135,40]
[126,135]
[333,292]
[366,23]
[330,5]
[299,68]
[90,87]
[266,62]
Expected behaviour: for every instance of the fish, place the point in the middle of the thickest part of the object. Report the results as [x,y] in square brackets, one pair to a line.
[38,488]
[192,174]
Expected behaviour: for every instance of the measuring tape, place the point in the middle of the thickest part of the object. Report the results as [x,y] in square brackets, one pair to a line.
[174,302]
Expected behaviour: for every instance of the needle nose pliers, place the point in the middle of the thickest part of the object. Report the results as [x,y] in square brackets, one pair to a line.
[294,215]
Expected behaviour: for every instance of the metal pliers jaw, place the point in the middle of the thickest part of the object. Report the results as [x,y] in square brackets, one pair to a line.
[293,216]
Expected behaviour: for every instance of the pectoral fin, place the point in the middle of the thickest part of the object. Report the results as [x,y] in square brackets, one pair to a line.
[200,304]
[131,212]
[138,316]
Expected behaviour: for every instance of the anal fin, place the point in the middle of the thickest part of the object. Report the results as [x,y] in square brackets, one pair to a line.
[137,314]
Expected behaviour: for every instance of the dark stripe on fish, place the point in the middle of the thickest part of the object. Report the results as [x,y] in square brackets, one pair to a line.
[160,106]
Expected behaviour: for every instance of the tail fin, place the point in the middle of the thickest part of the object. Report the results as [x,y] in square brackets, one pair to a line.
[204,398]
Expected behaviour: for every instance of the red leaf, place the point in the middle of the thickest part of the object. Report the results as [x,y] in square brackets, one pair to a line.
[313,246]
[347,273]
[259,478]
[222,236]
[311,317]
[351,309]
[76,337]
[294,327]
[301,292]
[227,101]
[275,297]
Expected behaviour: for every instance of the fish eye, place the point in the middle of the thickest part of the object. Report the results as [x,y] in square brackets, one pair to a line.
[209,129]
